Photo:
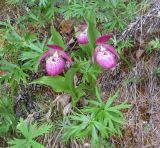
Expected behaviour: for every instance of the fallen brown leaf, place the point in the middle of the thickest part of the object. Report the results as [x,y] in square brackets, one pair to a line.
[66,26]
[3,72]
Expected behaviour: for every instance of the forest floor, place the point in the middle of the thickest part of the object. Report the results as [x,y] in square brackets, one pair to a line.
[140,85]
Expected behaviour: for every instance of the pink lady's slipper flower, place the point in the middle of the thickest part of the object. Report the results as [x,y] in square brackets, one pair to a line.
[82,29]
[105,54]
[55,64]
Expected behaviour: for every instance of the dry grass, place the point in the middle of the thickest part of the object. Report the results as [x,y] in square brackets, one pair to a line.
[144,118]
[145,26]
[139,85]
[7,10]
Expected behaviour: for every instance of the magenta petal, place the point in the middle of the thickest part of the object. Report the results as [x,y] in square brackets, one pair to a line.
[65,56]
[45,54]
[106,59]
[82,38]
[55,47]
[111,49]
[49,52]
[103,39]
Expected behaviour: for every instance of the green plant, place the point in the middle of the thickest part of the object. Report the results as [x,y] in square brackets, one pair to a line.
[78,9]
[12,41]
[30,2]
[121,45]
[97,121]
[7,115]
[29,132]
[158,70]
[31,53]
[40,12]
[153,44]
[41,15]
[64,84]
[118,13]
[19,54]
[114,14]
[89,73]
[15,74]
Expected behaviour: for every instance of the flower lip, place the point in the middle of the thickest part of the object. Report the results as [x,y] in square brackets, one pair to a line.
[103,39]
[106,59]
[82,38]
[55,65]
